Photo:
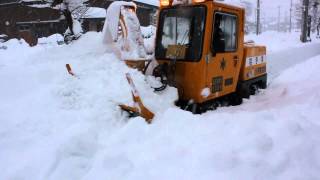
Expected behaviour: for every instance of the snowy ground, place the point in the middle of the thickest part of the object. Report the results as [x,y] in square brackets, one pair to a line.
[54,126]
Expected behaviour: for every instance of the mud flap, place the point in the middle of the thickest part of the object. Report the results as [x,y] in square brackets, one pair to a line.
[138,108]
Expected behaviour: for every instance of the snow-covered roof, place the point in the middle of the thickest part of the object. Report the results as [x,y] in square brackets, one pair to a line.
[28,0]
[94,12]
[63,127]
[8,2]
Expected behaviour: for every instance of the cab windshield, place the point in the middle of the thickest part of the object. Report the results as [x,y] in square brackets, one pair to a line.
[180,33]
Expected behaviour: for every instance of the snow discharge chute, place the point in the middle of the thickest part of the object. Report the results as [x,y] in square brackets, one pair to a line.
[122,31]
[122,34]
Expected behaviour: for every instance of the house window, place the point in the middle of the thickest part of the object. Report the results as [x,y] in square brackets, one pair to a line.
[24,28]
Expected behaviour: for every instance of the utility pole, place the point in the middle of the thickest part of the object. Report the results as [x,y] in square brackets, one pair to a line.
[315,15]
[258,18]
[286,22]
[290,20]
[279,9]
[304,27]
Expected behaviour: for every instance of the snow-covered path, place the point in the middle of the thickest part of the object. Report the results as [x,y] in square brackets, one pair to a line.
[284,59]
[54,126]
[284,50]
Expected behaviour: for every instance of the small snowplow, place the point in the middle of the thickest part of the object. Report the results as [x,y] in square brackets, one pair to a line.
[200,50]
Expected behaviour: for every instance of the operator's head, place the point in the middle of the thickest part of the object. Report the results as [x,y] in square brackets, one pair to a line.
[217,21]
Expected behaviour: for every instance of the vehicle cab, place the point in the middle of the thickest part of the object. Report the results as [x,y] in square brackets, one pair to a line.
[201,43]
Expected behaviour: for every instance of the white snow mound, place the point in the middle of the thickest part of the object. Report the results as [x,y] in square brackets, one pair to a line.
[55,126]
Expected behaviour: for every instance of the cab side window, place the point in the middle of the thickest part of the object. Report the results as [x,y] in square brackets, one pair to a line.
[225,33]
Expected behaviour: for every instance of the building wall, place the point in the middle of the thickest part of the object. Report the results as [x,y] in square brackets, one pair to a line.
[29,23]
[18,20]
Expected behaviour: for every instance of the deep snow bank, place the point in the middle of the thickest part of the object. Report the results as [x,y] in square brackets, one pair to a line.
[281,60]
[285,50]
[280,41]
[272,136]
[47,114]
[54,126]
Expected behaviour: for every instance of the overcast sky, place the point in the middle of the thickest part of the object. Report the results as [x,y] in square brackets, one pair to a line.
[270,7]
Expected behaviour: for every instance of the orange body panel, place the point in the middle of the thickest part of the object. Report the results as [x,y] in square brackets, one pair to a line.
[225,66]
[255,62]
[222,69]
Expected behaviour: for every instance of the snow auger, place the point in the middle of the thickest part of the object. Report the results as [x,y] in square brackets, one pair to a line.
[199,49]
[138,109]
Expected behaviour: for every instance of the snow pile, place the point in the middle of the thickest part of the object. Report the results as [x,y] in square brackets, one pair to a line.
[77,28]
[55,126]
[53,40]
[149,35]
[148,31]
[3,38]
[94,12]
[284,49]
[40,5]
[44,106]
[272,136]
[72,5]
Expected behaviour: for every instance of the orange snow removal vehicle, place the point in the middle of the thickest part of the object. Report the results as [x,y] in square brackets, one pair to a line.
[200,50]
